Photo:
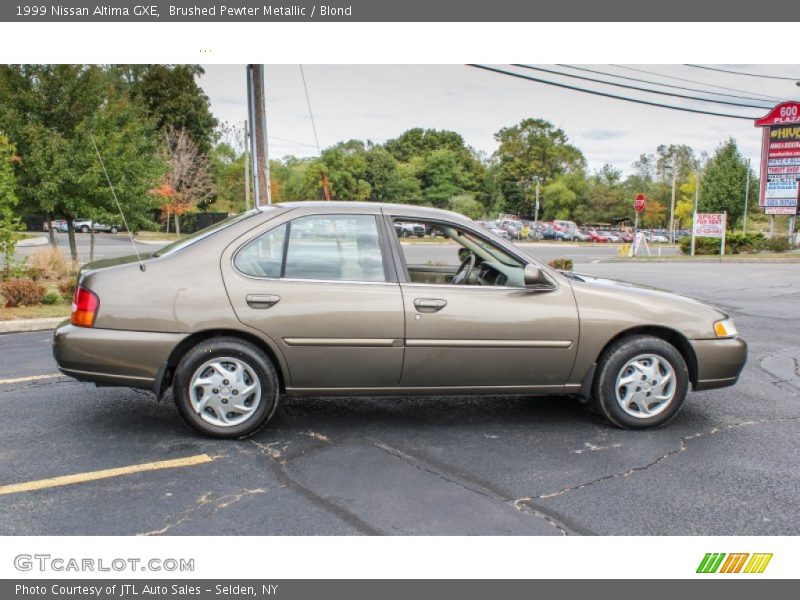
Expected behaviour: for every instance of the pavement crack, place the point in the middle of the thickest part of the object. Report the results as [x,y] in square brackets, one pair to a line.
[206,504]
[278,463]
[414,462]
[682,446]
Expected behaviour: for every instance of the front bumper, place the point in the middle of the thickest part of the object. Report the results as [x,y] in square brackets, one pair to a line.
[719,362]
[112,356]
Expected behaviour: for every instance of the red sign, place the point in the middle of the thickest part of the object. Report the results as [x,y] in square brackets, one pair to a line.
[786,113]
[638,204]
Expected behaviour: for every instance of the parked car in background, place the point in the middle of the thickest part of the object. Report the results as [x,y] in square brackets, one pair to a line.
[596,236]
[85,226]
[237,316]
[495,228]
[56,225]
[410,229]
[611,236]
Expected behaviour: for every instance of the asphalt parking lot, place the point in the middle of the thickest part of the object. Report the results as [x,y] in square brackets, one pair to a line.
[729,464]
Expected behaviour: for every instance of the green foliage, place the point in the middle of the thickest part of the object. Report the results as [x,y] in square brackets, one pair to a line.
[533,149]
[722,187]
[51,298]
[10,225]
[22,292]
[736,243]
[467,205]
[561,264]
[172,98]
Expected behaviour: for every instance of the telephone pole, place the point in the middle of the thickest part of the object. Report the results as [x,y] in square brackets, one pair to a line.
[258,136]
[746,198]
[246,167]
[672,204]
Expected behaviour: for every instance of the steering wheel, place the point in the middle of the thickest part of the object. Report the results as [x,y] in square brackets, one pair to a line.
[464,270]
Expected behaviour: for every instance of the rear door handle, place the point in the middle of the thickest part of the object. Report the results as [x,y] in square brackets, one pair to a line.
[262,300]
[429,304]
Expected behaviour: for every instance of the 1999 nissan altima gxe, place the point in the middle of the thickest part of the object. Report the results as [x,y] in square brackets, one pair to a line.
[322,299]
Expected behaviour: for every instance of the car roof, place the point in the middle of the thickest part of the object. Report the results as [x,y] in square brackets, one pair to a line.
[357,206]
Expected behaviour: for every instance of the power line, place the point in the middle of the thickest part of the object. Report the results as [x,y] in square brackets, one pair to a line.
[607,95]
[762,76]
[677,87]
[640,89]
[295,142]
[719,87]
[310,112]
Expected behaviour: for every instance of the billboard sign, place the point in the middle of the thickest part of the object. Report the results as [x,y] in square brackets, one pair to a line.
[780,159]
[709,225]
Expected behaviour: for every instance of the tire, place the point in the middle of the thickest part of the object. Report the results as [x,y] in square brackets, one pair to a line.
[259,372]
[114,230]
[636,405]
[405,233]
[84,229]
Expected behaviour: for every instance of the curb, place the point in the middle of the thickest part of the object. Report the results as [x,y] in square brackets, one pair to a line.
[40,240]
[19,325]
[703,260]
[153,242]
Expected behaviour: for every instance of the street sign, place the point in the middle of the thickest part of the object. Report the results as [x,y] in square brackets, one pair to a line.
[639,203]
[780,159]
[709,225]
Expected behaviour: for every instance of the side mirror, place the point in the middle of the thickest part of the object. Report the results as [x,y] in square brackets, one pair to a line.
[534,277]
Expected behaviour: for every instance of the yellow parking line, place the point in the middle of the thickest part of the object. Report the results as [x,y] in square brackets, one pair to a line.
[40,484]
[30,378]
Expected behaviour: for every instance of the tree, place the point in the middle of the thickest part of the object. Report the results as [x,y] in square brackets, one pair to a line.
[171,96]
[52,113]
[188,174]
[530,151]
[9,224]
[467,205]
[723,183]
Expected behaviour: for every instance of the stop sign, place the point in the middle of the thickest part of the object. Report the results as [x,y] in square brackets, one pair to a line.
[639,203]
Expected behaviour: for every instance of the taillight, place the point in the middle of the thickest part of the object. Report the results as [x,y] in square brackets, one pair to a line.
[84,307]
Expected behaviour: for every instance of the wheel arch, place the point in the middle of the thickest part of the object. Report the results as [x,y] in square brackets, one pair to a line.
[167,371]
[669,335]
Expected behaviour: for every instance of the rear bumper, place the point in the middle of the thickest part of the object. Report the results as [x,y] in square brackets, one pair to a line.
[719,362]
[111,356]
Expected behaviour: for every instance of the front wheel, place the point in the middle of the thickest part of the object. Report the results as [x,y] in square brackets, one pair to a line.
[226,388]
[641,382]
[84,229]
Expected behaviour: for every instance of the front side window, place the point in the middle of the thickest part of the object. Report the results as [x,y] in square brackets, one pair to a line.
[319,247]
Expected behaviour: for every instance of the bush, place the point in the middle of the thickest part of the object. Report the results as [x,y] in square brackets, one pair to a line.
[561,264]
[49,263]
[51,298]
[66,287]
[22,292]
[735,243]
[778,244]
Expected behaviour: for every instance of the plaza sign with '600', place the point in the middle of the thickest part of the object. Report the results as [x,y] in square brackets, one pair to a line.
[780,159]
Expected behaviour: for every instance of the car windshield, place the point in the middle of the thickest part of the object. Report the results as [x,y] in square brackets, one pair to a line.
[204,233]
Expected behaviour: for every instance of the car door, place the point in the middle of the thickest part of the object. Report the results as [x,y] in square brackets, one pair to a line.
[320,287]
[488,336]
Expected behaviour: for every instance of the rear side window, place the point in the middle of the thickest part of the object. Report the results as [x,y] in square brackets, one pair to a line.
[319,247]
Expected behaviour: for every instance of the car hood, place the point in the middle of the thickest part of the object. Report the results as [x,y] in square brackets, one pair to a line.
[642,293]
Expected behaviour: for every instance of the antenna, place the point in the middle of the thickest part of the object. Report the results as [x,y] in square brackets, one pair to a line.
[119,208]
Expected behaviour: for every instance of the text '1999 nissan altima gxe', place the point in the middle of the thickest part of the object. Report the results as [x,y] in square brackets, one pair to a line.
[322,299]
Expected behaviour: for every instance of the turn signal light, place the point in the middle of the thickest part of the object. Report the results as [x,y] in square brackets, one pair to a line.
[84,307]
[725,329]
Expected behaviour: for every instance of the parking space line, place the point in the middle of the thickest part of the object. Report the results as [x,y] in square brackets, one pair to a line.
[41,484]
[29,378]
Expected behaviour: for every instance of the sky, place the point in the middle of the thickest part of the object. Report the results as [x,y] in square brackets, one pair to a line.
[379,102]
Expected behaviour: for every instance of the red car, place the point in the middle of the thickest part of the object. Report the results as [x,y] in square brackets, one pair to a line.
[596,237]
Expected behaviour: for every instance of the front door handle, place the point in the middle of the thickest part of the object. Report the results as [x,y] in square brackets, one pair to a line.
[429,304]
[262,300]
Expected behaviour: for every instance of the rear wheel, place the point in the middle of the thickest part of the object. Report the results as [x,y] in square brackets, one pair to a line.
[641,382]
[85,229]
[226,388]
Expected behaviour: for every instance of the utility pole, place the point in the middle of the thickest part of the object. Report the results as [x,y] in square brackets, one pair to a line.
[746,197]
[696,202]
[536,208]
[258,137]
[246,167]
[672,205]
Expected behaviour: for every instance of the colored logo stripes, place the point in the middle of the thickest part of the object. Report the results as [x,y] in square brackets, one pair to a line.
[719,562]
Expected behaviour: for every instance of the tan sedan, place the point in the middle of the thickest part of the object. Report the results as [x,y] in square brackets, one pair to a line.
[323,299]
